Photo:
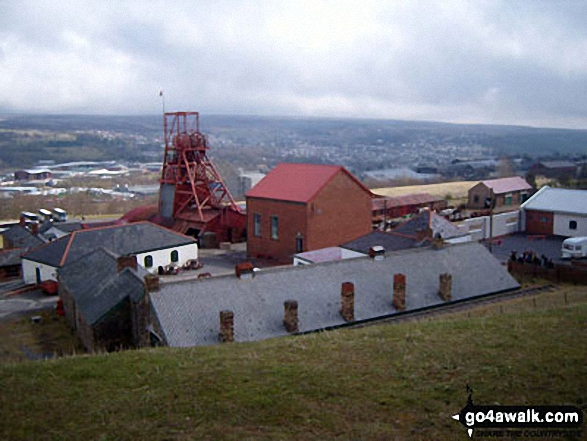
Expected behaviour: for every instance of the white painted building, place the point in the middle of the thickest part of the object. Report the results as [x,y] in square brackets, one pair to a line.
[155,248]
[556,211]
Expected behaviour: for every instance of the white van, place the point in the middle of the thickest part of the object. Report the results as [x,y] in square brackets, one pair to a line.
[574,248]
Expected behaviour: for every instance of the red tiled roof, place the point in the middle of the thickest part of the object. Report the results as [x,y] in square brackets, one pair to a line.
[297,182]
[505,185]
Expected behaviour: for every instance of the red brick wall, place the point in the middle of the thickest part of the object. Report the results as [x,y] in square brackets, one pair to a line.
[539,222]
[482,192]
[340,212]
[292,219]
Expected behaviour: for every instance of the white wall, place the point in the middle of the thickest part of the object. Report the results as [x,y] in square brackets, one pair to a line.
[561,225]
[29,273]
[163,257]
[503,224]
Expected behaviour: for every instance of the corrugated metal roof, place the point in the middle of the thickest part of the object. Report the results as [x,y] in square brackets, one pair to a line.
[505,185]
[193,320]
[558,164]
[559,200]
[297,182]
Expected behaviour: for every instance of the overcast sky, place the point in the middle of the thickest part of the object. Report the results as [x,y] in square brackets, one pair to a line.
[508,62]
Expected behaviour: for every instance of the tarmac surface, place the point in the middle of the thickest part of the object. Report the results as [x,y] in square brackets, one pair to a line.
[13,306]
[550,246]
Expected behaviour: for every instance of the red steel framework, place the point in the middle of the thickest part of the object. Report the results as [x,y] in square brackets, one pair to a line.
[193,199]
[186,166]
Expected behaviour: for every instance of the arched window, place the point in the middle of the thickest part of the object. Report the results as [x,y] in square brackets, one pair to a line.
[572,225]
[174,256]
[148,261]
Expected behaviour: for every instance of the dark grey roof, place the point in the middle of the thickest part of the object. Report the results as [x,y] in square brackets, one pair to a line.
[96,285]
[558,164]
[188,311]
[22,237]
[67,227]
[120,239]
[391,242]
[10,257]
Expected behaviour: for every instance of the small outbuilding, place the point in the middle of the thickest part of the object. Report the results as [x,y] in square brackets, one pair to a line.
[505,191]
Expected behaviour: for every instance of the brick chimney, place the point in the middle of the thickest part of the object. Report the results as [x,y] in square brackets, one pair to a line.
[35,228]
[244,270]
[347,308]
[290,319]
[152,282]
[399,292]
[437,243]
[126,262]
[445,287]
[377,252]
[226,326]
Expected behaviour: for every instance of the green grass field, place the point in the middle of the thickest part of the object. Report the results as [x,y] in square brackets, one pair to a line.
[400,381]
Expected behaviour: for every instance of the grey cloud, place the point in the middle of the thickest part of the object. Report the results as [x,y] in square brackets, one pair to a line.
[450,60]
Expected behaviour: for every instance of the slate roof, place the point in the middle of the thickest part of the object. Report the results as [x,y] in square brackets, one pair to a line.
[297,182]
[96,285]
[326,255]
[22,237]
[188,312]
[119,239]
[505,185]
[10,257]
[558,200]
[429,219]
[389,241]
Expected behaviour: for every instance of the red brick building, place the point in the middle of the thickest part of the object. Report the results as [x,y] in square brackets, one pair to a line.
[304,207]
[506,191]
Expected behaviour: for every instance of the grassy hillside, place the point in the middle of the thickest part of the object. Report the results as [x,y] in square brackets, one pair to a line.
[382,382]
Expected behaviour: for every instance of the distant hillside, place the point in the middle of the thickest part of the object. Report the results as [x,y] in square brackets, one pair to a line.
[383,382]
[250,140]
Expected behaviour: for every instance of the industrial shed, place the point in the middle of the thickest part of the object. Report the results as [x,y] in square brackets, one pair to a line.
[556,211]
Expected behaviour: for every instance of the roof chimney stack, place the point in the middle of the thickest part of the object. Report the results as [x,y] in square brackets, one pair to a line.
[290,319]
[445,287]
[399,292]
[126,262]
[347,309]
[244,270]
[377,252]
[152,282]
[226,326]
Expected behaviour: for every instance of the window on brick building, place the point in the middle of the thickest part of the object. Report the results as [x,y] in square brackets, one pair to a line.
[572,225]
[257,224]
[274,227]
